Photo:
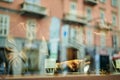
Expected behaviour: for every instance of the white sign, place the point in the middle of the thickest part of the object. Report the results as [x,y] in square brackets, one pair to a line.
[117,63]
[50,63]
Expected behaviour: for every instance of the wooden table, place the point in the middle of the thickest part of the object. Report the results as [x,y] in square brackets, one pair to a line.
[63,77]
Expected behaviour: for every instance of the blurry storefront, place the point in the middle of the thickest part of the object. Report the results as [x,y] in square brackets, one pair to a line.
[103,60]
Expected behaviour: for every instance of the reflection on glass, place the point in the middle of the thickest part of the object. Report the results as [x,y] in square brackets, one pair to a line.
[42,38]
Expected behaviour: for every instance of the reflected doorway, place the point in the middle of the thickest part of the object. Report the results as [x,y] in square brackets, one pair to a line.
[72,53]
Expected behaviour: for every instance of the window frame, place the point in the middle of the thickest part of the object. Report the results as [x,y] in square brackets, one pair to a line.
[4,26]
[114,15]
[9,1]
[87,14]
[33,1]
[102,19]
[103,1]
[103,36]
[114,38]
[31,31]
[113,3]
[72,33]
[79,35]
[89,37]
[73,3]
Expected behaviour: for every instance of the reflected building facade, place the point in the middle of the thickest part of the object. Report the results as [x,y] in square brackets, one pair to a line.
[83,28]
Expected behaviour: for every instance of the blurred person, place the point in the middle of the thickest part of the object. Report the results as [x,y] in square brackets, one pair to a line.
[70,65]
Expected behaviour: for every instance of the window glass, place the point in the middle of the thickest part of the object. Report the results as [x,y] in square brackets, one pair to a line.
[114,19]
[8,0]
[103,39]
[72,33]
[114,41]
[117,41]
[102,16]
[57,43]
[33,1]
[4,24]
[31,29]
[103,1]
[89,13]
[89,37]
[65,33]
[73,7]
[79,35]
[114,3]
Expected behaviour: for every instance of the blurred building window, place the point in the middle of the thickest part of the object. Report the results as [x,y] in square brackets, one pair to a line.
[65,33]
[89,37]
[102,16]
[4,25]
[31,29]
[103,1]
[114,3]
[115,41]
[103,39]
[72,33]
[89,13]
[118,40]
[73,7]
[76,34]
[79,35]
[33,1]
[114,19]
[8,0]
